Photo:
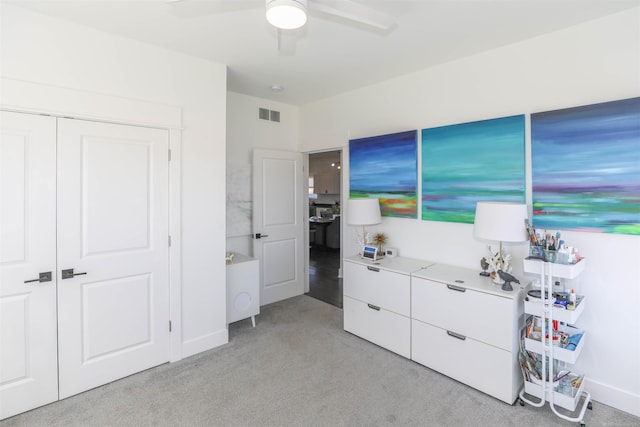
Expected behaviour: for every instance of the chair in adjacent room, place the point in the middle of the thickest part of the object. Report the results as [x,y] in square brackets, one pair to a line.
[333,234]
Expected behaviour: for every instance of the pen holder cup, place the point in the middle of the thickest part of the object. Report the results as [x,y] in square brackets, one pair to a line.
[550,256]
[540,252]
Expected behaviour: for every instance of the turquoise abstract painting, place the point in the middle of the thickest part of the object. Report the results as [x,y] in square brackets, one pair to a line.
[586,168]
[466,163]
[386,167]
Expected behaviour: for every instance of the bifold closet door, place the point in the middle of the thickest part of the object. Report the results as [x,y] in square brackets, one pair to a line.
[28,344]
[113,278]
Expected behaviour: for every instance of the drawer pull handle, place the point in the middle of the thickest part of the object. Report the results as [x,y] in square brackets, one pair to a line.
[377,270]
[458,336]
[374,307]
[457,288]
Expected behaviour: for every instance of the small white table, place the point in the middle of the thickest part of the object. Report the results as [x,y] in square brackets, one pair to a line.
[243,289]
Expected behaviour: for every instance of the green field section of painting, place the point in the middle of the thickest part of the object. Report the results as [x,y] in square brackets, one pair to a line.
[579,212]
[398,205]
[454,204]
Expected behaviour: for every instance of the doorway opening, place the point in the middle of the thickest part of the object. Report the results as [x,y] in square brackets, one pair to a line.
[325,224]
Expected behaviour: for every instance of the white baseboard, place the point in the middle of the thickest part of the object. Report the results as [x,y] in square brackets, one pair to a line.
[614,397]
[205,342]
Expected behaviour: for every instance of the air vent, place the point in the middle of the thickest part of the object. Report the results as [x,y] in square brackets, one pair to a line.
[263,113]
[271,115]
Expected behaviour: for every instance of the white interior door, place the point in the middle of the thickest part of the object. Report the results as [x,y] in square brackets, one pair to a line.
[28,345]
[113,232]
[278,223]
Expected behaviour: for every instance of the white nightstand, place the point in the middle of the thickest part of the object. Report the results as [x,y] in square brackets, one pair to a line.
[243,289]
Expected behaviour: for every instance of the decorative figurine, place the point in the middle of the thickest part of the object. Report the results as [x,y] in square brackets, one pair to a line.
[508,278]
[484,265]
[380,239]
[497,262]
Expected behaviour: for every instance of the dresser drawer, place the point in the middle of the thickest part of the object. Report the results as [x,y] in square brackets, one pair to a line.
[481,366]
[484,317]
[382,288]
[382,327]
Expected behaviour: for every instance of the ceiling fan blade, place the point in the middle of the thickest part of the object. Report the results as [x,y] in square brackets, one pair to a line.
[354,12]
[193,8]
[287,40]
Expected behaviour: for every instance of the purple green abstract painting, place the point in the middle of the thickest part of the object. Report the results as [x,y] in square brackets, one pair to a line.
[467,163]
[386,167]
[586,168]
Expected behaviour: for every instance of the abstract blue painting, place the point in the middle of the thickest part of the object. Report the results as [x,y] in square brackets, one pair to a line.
[386,167]
[467,163]
[586,168]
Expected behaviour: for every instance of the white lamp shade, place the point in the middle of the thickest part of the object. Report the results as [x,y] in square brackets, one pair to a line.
[287,14]
[500,221]
[363,212]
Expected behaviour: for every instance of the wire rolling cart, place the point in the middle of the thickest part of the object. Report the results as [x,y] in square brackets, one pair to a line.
[552,386]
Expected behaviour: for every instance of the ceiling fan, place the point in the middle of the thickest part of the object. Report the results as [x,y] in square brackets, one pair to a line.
[287,16]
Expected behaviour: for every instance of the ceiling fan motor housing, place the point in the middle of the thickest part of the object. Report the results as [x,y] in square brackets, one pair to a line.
[287,14]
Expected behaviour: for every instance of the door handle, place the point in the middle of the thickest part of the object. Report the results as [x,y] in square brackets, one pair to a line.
[43,277]
[373,307]
[377,270]
[457,288]
[69,274]
[260,236]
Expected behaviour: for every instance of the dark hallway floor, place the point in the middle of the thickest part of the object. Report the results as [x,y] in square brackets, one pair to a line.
[324,283]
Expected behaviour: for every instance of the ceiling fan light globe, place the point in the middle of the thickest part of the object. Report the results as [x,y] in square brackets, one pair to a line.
[287,14]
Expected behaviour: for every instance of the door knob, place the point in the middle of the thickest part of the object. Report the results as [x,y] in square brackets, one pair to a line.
[43,277]
[69,274]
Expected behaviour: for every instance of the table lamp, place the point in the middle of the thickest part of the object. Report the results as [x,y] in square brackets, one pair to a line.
[363,212]
[501,222]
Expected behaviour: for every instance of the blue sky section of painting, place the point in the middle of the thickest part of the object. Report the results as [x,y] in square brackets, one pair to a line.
[466,163]
[385,163]
[586,167]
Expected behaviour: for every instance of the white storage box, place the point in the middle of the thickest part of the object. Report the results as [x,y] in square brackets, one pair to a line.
[559,399]
[559,353]
[534,306]
[565,271]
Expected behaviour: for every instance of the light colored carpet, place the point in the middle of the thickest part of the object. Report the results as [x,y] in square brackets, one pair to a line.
[296,368]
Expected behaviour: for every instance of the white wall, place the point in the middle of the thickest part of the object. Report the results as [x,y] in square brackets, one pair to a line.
[593,62]
[244,133]
[47,51]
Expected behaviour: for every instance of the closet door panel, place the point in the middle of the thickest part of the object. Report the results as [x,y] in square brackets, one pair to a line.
[113,226]
[28,345]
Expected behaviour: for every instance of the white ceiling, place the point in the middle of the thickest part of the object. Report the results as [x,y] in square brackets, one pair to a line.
[333,54]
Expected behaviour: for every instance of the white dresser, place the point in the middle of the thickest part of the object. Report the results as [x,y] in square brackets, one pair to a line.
[447,318]
[466,327]
[377,301]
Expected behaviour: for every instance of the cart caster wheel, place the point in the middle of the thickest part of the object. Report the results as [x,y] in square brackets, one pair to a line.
[582,424]
[589,405]
[521,402]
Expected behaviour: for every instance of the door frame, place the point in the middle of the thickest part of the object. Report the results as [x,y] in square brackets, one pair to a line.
[35,98]
[305,202]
